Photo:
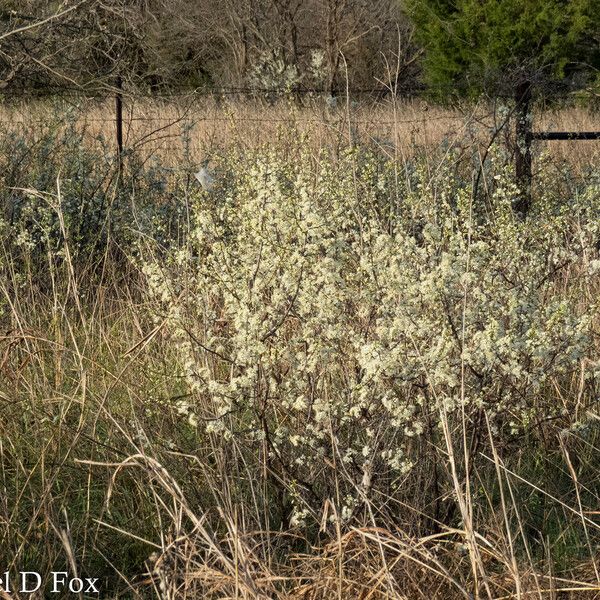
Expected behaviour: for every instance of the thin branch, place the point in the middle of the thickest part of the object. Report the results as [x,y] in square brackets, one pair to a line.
[42,22]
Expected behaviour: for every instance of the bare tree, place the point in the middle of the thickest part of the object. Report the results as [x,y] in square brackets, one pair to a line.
[87,44]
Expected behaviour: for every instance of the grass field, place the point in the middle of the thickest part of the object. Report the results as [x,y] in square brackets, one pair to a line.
[192,128]
[342,372]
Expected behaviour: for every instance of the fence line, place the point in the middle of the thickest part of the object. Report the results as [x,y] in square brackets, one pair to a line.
[231,119]
[180,91]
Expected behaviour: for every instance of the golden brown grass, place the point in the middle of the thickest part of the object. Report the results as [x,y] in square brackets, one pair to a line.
[399,128]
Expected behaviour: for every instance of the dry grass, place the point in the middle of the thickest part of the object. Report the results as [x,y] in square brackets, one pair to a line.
[399,128]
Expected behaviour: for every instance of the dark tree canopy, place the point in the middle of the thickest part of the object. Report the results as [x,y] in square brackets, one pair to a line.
[475,46]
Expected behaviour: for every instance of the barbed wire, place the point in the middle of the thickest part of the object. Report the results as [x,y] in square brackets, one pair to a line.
[181,121]
[344,112]
[418,90]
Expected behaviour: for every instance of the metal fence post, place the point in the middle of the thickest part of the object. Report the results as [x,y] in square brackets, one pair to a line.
[119,121]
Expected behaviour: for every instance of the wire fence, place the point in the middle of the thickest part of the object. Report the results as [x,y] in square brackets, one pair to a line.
[189,110]
[174,90]
[211,119]
[192,113]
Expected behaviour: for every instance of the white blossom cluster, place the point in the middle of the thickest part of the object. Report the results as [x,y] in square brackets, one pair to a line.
[272,73]
[323,310]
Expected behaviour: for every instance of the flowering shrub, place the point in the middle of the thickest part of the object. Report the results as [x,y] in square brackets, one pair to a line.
[272,74]
[334,318]
[51,173]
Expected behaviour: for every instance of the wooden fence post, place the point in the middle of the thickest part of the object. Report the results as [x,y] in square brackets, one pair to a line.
[524,137]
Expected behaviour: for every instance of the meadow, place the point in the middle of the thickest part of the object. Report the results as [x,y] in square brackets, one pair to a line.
[347,370]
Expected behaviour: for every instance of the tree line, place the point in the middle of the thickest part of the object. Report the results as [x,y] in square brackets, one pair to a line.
[447,47]
[158,45]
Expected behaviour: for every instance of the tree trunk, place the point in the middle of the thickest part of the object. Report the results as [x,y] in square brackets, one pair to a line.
[524,137]
[331,42]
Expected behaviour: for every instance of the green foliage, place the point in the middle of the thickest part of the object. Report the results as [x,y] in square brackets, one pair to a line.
[59,187]
[473,46]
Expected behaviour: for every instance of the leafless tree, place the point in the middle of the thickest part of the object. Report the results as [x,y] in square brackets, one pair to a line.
[86,44]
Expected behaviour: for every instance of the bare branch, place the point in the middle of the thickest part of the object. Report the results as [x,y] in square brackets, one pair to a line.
[53,17]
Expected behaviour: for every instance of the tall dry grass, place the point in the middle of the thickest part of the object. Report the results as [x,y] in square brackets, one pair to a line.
[186,130]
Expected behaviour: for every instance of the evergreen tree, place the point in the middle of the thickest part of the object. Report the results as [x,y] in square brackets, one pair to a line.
[494,46]
[508,48]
